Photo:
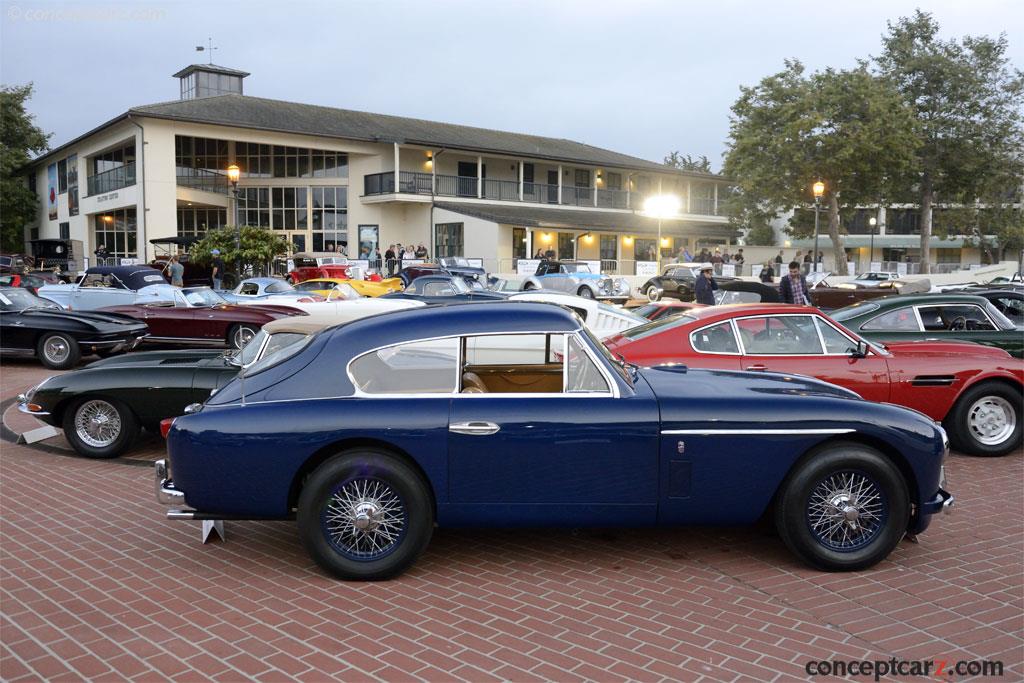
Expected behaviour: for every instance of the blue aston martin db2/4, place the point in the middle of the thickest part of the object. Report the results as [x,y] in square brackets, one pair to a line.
[513,414]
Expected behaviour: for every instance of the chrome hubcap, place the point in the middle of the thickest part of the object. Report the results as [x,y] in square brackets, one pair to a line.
[56,350]
[992,420]
[364,518]
[846,511]
[97,423]
[243,336]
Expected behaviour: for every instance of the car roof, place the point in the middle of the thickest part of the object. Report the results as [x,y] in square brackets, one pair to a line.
[302,324]
[121,271]
[262,280]
[934,299]
[730,310]
[320,254]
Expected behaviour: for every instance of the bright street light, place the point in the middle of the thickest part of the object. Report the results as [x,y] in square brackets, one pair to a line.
[662,206]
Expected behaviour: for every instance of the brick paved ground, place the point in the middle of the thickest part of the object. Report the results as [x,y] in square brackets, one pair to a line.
[95,583]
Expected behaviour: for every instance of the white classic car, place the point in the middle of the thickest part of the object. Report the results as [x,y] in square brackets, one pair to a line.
[104,286]
[602,319]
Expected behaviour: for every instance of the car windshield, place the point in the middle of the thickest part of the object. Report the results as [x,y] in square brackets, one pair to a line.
[455,261]
[646,310]
[278,287]
[647,329]
[16,299]
[998,316]
[612,360]
[575,268]
[263,345]
[203,296]
[854,310]
[621,312]
[278,350]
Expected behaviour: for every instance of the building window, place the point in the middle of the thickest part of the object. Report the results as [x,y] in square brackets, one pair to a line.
[645,250]
[613,181]
[582,177]
[116,230]
[114,158]
[65,230]
[290,162]
[205,153]
[253,159]
[609,244]
[196,222]
[289,208]
[330,219]
[277,161]
[62,175]
[566,246]
[329,164]
[903,222]
[33,233]
[208,84]
[519,243]
[254,206]
[448,240]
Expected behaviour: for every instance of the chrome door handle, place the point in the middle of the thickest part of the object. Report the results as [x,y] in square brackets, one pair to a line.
[757,367]
[474,428]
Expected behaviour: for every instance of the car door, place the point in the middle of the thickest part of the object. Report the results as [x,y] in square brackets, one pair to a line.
[177,321]
[539,434]
[809,345]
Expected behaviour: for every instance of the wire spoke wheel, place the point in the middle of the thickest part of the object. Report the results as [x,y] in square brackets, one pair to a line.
[56,350]
[846,511]
[364,519]
[992,420]
[97,423]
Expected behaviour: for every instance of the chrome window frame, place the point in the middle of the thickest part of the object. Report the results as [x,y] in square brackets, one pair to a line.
[735,338]
[995,328]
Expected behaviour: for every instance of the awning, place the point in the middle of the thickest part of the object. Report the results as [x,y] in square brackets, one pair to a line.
[597,221]
[885,242]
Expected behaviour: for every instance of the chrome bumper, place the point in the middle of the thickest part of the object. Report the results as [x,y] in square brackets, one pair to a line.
[23,407]
[166,493]
[942,502]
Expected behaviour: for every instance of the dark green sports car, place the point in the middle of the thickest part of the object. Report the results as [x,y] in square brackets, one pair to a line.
[101,406]
[933,316]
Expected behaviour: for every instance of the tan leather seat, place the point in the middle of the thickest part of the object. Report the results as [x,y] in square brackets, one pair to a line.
[472,384]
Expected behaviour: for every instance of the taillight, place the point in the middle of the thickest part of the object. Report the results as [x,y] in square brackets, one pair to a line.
[165,426]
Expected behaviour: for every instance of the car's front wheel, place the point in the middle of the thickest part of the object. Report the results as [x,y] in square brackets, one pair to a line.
[58,351]
[654,293]
[585,292]
[986,420]
[843,508]
[365,515]
[99,427]
[240,335]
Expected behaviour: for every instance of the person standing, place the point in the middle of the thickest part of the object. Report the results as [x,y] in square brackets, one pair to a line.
[779,259]
[421,251]
[767,273]
[704,287]
[176,271]
[793,287]
[217,273]
[539,254]
[389,259]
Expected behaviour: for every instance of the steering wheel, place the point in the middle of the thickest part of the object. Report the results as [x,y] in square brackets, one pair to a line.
[959,323]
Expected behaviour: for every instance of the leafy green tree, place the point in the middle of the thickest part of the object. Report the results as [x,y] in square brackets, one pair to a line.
[688,163]
[847,128]
[969,105]
[259,246]
[20,141]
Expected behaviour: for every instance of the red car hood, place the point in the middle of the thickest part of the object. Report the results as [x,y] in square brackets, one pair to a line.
[270,309]
[941,349]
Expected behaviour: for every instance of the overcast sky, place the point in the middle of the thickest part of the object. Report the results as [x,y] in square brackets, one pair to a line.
[637,76]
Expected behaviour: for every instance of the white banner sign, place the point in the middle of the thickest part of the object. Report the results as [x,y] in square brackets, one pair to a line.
[875,265]
[647,268]
[755,270]
[901,268]
[851,268]
[129,262]
[476,262]
[527,266]
[728,270]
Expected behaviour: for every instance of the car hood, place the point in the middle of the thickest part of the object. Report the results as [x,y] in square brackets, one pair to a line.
[944,349]
[149,359]
[273,310]
[669,381]
[93,317]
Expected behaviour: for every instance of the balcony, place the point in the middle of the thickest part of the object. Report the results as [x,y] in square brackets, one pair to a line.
[202,179]
[114,179]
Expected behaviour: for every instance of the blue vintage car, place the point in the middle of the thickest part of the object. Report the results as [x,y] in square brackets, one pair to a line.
[513,414]
[574,277]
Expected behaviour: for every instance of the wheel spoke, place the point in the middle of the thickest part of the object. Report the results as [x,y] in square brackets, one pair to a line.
[364,518]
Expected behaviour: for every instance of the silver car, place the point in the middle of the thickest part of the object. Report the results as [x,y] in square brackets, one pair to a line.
[575,277]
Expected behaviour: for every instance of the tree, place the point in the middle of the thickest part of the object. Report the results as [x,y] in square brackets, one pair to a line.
[259,247]
[969,105]
[20,141]
[848,129]
[688,163]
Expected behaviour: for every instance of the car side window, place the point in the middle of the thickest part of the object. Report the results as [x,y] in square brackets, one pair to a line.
[835,341]
[902,319]
[249,289]
[582,375]
[1011,308]
[790,335]
[438,289]
[715,339]
[513,364]
[421,367]
[954,317]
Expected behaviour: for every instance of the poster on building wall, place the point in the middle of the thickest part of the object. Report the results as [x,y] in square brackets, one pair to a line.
[527,266]
[51,190]
[73,185]
[647,268]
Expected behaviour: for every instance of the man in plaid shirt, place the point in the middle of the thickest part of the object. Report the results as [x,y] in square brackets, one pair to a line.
[793,288]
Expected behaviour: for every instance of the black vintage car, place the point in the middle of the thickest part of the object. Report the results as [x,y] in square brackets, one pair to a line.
[32,326]
[101,406]
[676,281]
[455,265]
[445,289]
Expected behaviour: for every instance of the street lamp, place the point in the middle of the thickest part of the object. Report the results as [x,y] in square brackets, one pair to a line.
[233,175]
[871,250]
[662,206]
[819,189]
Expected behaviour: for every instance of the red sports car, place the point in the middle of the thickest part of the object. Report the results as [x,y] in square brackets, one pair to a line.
[665,308]
[318,264]
[974,390]
[201,316]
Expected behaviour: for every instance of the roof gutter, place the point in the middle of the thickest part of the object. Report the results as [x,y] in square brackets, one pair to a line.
[141,180]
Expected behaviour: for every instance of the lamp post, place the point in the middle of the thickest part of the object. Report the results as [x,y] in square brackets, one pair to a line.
[662,206]
[819,189]
[233,174]
[871,250]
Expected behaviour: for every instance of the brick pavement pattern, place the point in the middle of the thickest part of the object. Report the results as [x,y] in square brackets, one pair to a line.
[96,584]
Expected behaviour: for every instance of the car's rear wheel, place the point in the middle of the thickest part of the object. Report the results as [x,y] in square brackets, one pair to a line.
[99,427]
[843,508]
[986,420]
[365,515]
[529,286]
[585,292]
[654,293]
[58,351]
[240,335]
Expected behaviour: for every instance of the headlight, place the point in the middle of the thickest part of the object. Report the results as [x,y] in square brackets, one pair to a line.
[622,286]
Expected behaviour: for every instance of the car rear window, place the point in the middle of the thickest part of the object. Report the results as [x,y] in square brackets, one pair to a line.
[854,310]
[642,331]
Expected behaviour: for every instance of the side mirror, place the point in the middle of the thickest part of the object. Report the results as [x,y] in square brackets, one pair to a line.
[861,351]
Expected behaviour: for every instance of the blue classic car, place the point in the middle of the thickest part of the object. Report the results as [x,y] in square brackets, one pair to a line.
[513,414]
[577,278]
